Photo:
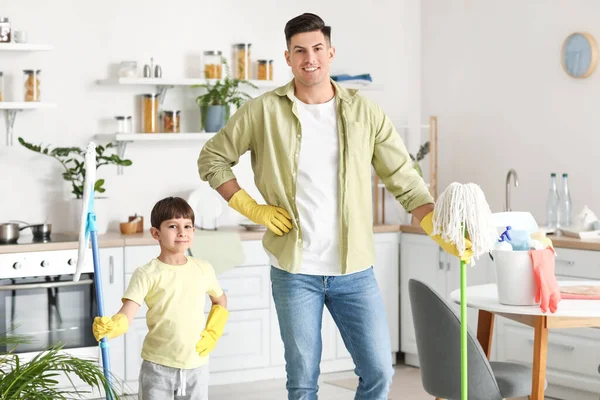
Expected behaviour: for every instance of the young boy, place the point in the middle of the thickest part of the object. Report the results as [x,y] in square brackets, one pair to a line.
[173,285]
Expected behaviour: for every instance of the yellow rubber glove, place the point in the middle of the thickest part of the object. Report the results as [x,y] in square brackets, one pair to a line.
[215,325]
[110,327]
[276,219]
[427,225]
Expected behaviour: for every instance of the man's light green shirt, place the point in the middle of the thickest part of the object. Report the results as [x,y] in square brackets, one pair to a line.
[269,127]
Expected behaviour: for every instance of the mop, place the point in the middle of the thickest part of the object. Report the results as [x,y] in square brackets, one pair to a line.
[461,211]
[87,231]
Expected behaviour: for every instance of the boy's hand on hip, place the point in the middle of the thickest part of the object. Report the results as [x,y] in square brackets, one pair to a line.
[276,219]
[215,325]
[110,327]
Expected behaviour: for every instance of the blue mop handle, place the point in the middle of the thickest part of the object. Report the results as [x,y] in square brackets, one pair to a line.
[104,345]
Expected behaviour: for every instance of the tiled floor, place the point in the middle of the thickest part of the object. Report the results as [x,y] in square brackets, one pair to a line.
[406,385]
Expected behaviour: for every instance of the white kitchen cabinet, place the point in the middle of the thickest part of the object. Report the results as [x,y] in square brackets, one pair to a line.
[421,258]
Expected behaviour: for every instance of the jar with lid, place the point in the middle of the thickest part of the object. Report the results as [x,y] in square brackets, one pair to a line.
[128,69]
[240,61]
[171,121]
[1,86]
[31,86]
[4,30]
[150,113]
[213,65]
[123,123]
[270,69]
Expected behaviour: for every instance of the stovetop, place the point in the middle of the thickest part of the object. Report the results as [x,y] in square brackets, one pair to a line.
[54,238]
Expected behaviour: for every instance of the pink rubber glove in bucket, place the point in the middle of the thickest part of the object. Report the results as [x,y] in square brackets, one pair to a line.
[548,291]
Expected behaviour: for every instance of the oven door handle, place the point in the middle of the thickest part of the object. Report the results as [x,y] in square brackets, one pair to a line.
[48,285]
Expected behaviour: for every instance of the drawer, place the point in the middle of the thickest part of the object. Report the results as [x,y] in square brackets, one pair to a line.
[572,361]
[244,344]
[138,256]
[246,288]
[578,263]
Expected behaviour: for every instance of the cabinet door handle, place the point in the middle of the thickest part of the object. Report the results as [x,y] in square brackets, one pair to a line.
[441,262]
[111,271]
[557,345]
[569,263]
[448,265]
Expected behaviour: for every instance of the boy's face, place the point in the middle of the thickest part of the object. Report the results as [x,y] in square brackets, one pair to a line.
[309,55]
[175,235]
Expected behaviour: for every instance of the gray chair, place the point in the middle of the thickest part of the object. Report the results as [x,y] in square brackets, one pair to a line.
[437,331]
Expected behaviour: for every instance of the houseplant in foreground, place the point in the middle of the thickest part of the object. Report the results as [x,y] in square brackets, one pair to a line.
[220,94]
[37,378]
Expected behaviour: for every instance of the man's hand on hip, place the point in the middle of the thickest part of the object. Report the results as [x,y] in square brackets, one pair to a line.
[276,219]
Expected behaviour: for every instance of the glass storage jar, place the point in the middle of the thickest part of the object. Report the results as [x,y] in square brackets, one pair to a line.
[171,121]
[213,65]
[150,113]
[262,70]
[31,86]
[4,30]
[128,69]
[270,69]
[123,123]
[1,86]
[240,61]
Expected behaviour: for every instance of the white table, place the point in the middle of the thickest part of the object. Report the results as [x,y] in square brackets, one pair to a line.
[569,314]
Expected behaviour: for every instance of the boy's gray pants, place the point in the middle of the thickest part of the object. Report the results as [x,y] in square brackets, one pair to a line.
[158,382]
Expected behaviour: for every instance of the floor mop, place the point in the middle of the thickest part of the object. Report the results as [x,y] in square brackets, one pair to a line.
[462,211]
[87,231]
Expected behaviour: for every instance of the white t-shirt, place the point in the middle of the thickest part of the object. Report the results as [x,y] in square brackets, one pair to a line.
[317,189]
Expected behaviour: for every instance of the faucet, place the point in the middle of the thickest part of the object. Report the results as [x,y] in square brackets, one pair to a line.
[513,173]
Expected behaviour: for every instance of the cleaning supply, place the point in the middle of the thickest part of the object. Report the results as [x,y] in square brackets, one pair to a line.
[548,291]
[276,219]
[520,239]
[110,327]
[462,211]
[88,232]
[215,326]
[503,246]
[427,225]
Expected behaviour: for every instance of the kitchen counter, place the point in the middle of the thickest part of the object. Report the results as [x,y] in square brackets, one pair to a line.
[565,242]
[115,239]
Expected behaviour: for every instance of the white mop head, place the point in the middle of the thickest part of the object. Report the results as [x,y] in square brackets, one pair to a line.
[464,205]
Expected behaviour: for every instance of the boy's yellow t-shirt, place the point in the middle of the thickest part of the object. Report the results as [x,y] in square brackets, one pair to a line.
[175,296]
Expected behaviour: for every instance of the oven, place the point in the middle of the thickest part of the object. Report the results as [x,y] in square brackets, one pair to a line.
[39,300]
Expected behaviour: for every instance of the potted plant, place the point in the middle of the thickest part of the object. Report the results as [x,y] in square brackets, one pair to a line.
[423,151]
[220,94]
[72,160]
[36,378]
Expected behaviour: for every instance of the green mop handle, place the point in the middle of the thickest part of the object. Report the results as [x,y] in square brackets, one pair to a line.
[463,329]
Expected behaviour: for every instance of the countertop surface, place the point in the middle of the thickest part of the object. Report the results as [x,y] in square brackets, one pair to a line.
[116,239]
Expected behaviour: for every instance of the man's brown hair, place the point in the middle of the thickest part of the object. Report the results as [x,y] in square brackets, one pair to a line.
[306,22]
[170,208]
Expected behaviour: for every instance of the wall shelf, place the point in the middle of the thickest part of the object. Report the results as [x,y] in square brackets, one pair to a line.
[176,82]
[12,108]
[122,139]
[24,47]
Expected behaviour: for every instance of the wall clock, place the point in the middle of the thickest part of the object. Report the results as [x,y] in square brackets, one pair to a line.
[579,55]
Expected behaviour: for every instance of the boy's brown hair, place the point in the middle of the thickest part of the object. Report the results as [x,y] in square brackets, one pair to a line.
[170,208]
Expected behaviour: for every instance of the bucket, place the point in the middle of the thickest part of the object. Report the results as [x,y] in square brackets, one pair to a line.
[515,278]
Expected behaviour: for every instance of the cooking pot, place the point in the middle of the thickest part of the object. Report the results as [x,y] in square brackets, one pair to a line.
[9,231]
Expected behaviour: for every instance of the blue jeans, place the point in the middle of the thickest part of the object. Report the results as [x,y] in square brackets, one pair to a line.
[355,303]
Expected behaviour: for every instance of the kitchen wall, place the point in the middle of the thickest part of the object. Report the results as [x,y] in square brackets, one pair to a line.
[491,71]
[380,38]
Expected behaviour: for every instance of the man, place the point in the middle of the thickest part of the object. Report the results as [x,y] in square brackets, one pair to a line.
[313,144]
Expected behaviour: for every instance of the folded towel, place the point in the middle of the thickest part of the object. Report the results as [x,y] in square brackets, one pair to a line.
[580,292]
[346,77]
[223,250]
